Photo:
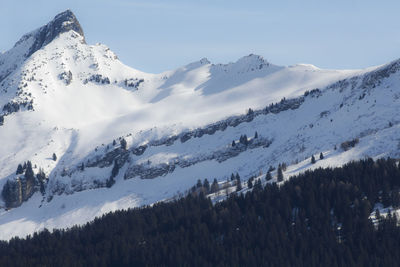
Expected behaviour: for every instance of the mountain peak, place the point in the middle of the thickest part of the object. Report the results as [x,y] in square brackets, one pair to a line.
[63,22]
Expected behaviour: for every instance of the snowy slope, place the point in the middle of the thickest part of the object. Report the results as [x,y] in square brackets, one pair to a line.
[74,99]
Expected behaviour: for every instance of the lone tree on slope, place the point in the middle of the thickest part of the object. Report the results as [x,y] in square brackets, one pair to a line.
[313,159]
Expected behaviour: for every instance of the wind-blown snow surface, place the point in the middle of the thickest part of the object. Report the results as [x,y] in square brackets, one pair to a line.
[83,98]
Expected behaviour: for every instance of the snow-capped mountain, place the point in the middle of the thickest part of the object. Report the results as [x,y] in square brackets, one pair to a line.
[61,96]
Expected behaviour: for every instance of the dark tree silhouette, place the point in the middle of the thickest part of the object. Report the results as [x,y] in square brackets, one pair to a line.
[313,161]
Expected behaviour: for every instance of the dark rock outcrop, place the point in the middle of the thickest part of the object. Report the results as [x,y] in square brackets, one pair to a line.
[61,23]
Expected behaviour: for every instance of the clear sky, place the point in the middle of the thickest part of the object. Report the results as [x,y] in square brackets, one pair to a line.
[155,36]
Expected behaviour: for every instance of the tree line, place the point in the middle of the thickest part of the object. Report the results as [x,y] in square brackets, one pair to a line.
[318,218]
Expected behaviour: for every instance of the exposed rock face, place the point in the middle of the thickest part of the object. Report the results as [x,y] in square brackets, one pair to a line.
[146,171]
[35,40]
[61,23]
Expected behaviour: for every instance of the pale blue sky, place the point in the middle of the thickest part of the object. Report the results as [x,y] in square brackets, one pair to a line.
[154,36]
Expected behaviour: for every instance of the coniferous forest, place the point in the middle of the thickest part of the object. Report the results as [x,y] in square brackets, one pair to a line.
[319,218]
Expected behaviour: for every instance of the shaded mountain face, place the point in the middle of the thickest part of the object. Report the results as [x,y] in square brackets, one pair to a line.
[63,22]
[102,136]
[35,40]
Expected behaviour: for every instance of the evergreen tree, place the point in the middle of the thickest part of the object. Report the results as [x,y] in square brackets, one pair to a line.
[313,161]
[54,157]
[268,176]
[271,168]
[9,193]
[250,183]
[238,183]
[114,142]
[233,143]
[280,174]
[243,139]
[114,172]
[232,177]
[123,144]
[82,167]
[321,156]
[41,177]
[258,185]
[20,170]
[284,166]
[255,135]
[214,186]
[206,185]
[29,175]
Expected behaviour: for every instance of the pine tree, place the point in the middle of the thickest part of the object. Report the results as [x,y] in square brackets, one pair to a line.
[29,171]
[321,156]
[233,143]
[114,142]
[214,186]
[250,183]
[280,174]
[206,185]
[20,170]
[115,169]
[255,135]
[268,176]
[284,166]
[243,139]
[271,168]
[238,183]
[232,177]
[257,185]
[54,157]
[313,161]
[41,177]
[123,144]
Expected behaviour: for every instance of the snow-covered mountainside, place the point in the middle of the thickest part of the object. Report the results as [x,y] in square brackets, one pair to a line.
[123,138]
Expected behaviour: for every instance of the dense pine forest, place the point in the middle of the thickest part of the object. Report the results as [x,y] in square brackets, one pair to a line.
[319,218]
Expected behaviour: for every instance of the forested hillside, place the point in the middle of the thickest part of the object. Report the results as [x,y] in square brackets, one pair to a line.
[319,218]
